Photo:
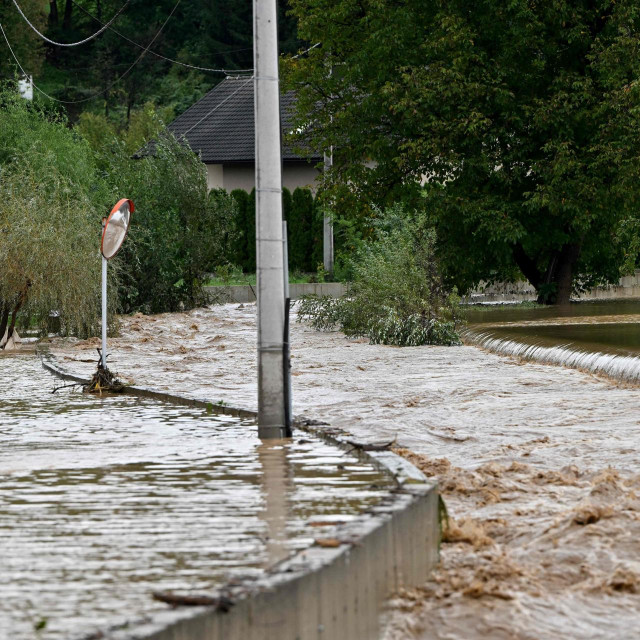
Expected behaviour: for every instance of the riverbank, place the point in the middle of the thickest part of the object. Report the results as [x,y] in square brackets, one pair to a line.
[537,463]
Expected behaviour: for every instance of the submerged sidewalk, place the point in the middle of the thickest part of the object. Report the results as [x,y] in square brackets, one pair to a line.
[537,464]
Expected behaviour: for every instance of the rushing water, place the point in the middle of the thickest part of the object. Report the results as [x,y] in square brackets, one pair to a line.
[105,500]
[602,337]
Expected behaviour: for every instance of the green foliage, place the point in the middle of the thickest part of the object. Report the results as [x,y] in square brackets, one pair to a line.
[286,204]
[145,124]
[216,34]
[179,231]
[250,232]
[317,230]
[299,228]
[50,195]
[298,210]
[397,296]
[27,45]
[97,130]
[523,116]
[239,250]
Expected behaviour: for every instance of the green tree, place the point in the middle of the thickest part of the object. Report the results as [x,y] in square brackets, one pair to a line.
[317,231]
[522,116]
[27,45]
[51,203]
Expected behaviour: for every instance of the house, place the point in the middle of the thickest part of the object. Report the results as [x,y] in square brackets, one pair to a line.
[220,127]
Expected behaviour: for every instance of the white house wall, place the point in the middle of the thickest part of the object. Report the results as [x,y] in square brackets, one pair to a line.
[214,176]
[240,176]
[299,175]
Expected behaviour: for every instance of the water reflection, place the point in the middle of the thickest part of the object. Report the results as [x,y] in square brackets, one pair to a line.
[104,500]
[277,485]
[602,337]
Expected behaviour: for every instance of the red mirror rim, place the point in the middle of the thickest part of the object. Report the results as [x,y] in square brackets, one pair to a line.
[104,229]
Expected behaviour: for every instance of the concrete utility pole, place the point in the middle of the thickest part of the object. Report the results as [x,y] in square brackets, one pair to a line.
[327,226]
[272,373]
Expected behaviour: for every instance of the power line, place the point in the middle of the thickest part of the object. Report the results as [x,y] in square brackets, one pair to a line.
[183,64]
[69,44]
[98,93]
[22,68]
[317,44]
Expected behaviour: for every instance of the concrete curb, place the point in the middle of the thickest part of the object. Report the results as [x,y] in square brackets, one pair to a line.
[320,593]
[247,293]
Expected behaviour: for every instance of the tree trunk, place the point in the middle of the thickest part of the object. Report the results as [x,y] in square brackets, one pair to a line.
[130,101]
[528,266]
[557,285]
[564,274]
[53,13]
[4,319]
[66,20]
[99,9]
[554,287]
[22,298]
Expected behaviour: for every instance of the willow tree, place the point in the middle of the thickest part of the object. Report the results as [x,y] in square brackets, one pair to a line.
[48,252]
[523,116]
[50,211]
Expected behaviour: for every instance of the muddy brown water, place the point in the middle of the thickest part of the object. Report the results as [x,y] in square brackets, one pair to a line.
[105,500]
[538,464]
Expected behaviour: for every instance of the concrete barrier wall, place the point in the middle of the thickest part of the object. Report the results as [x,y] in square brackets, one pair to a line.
[246,293]
[628,287]
[321,593]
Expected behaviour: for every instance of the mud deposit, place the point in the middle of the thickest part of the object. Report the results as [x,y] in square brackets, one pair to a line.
[104,501]
[538,464]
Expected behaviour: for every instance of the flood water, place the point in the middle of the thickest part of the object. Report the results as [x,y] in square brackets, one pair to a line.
[105,500]
[601,337]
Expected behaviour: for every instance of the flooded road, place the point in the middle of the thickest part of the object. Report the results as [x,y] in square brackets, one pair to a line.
[105,500]
[538,464]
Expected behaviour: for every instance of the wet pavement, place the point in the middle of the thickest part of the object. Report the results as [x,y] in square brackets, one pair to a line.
[105,500]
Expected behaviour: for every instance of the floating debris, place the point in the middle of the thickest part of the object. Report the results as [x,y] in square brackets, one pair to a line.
[103,381]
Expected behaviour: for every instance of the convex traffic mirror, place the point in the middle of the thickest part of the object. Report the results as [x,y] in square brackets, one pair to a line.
[116,227]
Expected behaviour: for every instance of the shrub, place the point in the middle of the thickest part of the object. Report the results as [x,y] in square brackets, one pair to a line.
[317,234]
[238,253]
[250,230]
[396,296]
[299,228]
[178,233]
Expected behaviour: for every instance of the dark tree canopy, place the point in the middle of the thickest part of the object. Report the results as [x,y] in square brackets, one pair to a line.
[522,117]
[205,33]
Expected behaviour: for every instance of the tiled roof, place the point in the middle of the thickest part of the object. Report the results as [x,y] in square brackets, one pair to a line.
[220,126]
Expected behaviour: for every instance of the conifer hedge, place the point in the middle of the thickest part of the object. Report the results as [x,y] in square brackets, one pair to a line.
[303,230]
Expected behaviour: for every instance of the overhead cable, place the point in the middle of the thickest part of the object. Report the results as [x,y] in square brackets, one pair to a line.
[317,44]
[97,93]
[69,44]
[158,55]
[22,68]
